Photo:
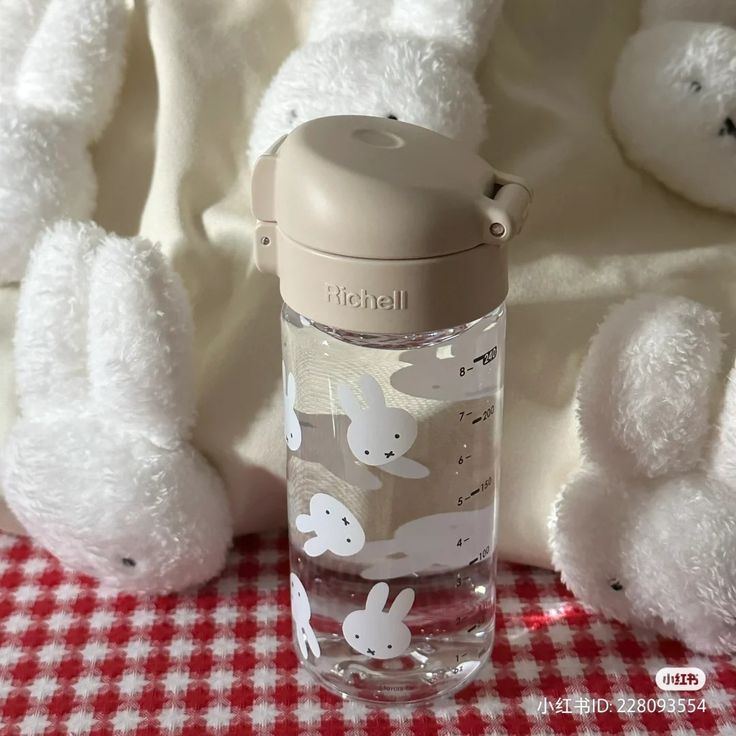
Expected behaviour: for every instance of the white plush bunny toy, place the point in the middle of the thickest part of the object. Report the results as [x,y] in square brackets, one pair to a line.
[673,101]
[403,59]
[98,466]
[646,529]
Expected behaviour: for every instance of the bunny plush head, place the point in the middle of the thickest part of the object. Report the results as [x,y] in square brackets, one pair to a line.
[98,466]
[673,100]
[378,434]
[376,633]
[60,74]
[646,529]
[392,58]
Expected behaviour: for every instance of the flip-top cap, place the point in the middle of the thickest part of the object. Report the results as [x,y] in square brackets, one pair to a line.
[380,226]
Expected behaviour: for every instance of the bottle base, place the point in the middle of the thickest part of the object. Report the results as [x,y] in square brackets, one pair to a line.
[400,686]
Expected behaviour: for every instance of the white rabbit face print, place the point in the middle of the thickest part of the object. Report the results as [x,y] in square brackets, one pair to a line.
[292,427]
[335,527]
[301,613]
[379,435]
[376,633]
[469,366]
[436,543]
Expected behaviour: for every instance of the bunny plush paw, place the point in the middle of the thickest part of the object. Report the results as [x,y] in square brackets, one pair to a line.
[646,529]
[60,74]
[678,72]
[388,58]
[98,466]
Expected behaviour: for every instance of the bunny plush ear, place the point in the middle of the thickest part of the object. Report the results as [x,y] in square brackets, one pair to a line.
[402,603]
[18,23]
[103,319]
[465,26]
[377,597]
[51,325]
[645,387]
[141,360]
[67,57]
[341,17]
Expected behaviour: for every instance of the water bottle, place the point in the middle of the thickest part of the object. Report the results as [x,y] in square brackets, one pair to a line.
[389,243]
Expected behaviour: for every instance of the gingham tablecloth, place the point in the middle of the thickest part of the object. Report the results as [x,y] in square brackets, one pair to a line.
[77,660]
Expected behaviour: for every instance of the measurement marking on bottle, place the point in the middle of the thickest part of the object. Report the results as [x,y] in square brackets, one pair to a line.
[487,414]
[488,356]
[472,628]
[487,483]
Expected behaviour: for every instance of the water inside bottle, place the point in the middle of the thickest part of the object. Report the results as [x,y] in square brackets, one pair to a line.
[451,624]
[392,476]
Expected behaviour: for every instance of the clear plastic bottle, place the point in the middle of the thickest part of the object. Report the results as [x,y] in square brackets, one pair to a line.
[418,525]
[389,243]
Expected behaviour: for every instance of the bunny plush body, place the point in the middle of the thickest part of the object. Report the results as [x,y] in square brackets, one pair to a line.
[408,60]
[646,529]
[673,101]
[98,466]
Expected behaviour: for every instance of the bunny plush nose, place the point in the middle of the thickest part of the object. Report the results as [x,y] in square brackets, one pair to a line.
[728,128]
[389,454]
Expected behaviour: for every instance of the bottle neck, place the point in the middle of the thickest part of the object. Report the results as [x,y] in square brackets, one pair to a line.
[384,341]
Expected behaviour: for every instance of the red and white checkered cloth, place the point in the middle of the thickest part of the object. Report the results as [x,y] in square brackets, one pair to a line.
[77,660]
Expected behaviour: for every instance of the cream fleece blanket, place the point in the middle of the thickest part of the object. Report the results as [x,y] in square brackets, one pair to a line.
[172,166]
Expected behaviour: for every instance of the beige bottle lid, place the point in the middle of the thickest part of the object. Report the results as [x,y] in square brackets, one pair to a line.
[378,226]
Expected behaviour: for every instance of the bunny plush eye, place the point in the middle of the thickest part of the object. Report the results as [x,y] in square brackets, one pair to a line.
[695,86]
[391,116]
[128,562]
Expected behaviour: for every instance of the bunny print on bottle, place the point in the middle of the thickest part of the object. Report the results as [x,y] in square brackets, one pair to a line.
[336,528]
[379,435]
[292,427]
[375,633]
[301,614]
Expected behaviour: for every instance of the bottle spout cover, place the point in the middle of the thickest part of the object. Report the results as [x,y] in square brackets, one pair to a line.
[376,225]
